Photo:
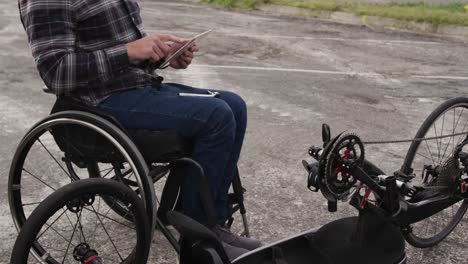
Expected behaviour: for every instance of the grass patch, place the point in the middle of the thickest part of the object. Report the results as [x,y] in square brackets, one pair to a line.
[243,4]
[452,13]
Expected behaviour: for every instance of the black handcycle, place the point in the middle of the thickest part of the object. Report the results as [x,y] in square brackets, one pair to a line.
[422,202]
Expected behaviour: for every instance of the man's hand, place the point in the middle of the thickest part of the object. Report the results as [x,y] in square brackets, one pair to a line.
[152,47]
[185,59]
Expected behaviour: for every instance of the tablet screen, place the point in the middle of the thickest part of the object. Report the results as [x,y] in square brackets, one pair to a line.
[182,49]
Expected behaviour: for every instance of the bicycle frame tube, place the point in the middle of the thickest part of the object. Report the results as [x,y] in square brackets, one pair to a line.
[416,212]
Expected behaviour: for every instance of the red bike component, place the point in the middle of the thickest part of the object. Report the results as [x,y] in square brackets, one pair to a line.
[365,197]
[463,187]
[339,168]
[93,260]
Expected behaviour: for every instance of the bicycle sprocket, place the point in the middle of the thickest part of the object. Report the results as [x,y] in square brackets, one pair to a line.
[338,180]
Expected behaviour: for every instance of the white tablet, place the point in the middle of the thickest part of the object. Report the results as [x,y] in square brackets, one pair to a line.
[182,49]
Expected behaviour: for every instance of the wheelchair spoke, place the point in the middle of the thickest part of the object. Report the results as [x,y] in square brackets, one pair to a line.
[50,226]
[69,242]
[30,204]
[60,235]
[68,217]
[37,178]
[107,173]
[81,228]
[107,169]
[96,222]
[109,218]
[105,230]
[56,161]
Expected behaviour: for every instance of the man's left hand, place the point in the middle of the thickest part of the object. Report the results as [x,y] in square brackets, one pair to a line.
[185,59]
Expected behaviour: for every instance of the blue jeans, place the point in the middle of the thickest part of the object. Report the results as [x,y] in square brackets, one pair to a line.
[215,125]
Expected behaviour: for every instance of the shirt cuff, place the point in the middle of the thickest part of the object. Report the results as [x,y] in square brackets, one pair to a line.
[117,58]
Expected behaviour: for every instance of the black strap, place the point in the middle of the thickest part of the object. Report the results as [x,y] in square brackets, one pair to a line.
[156,82]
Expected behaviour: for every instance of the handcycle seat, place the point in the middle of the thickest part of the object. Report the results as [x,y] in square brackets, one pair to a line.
[156,146]
[365,239]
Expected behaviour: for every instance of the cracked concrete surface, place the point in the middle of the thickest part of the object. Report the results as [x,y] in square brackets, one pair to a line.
[294,74]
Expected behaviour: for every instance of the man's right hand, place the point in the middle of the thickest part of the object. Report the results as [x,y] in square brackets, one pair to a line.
[152,47]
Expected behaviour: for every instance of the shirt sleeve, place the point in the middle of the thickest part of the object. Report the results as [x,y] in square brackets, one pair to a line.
[51,30]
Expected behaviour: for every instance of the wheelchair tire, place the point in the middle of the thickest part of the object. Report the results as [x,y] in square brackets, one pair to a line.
[448,113]
[118,139]
[80,199]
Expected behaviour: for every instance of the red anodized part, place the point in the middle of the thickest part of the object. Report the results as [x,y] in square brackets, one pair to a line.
[365,197]
[93,260]
[340,163]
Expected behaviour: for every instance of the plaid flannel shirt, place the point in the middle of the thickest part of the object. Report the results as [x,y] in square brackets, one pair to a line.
[79,45]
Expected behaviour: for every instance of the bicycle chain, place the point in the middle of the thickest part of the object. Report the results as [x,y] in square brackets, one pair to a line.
[412,140]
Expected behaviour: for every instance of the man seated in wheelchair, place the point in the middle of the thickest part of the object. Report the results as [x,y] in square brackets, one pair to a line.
[96,52]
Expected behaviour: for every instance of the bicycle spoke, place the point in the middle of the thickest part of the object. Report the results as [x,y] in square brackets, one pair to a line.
[446,147]
[417,153]
[437,143]
[463,129]
[455,127]
[430,153]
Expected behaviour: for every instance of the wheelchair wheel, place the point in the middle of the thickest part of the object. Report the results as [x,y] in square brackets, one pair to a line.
[74,225]
[69,146]
[436,169]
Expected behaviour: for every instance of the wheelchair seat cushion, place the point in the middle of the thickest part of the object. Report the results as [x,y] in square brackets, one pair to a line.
[155,146]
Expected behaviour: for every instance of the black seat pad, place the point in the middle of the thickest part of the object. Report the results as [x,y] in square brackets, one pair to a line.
[155,145]
[366,240]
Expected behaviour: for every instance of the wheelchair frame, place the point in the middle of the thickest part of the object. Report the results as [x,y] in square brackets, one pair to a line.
[70,112]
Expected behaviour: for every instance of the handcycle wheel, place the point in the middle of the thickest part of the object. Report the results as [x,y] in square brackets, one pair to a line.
[41,163]
[74,225]
[432,162]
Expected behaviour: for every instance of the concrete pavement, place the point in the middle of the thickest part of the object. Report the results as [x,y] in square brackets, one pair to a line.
[294,75]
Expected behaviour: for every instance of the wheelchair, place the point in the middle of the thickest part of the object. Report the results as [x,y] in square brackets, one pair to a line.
[77,141]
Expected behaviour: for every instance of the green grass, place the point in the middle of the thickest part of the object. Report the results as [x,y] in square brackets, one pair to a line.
[453,13]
